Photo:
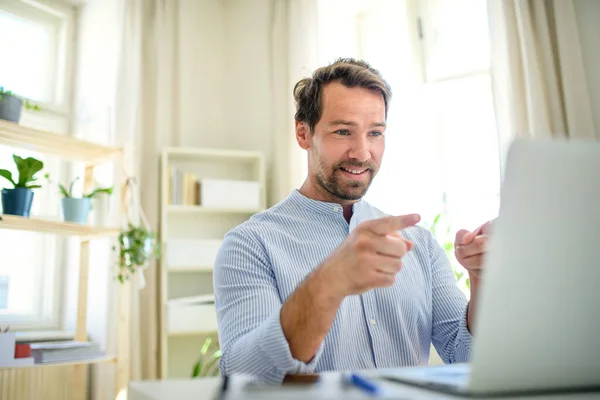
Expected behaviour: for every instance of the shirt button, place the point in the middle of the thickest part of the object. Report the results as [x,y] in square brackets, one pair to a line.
[373,322]
[336,208]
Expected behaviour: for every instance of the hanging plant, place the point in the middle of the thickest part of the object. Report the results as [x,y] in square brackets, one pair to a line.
[137,247]
[137,243]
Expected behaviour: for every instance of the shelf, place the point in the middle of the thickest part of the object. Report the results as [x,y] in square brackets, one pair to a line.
[211,154]
[15,222]
[191,333]
[95,360]
[69,147]
[180,209]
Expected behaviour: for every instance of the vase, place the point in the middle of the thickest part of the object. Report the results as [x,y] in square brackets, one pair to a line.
[17,201]
[76,210]
[10,108]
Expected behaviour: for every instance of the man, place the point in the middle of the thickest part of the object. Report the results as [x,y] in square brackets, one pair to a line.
[325,281]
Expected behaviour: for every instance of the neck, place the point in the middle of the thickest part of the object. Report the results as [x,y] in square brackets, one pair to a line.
[316,192]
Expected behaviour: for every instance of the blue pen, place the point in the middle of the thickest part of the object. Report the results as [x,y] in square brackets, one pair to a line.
[364,384]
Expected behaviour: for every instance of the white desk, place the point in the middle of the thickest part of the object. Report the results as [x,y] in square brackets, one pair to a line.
[328,387]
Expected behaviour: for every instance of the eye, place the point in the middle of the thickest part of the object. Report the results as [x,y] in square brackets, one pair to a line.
[343,132]
[375,133]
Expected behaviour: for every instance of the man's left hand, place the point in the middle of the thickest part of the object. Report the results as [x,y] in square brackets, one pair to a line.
[470,249]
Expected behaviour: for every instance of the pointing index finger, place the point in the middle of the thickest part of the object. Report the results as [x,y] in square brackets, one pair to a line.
[385,225]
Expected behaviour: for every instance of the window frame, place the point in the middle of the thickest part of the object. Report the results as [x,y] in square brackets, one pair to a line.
[60,19]
[56,113]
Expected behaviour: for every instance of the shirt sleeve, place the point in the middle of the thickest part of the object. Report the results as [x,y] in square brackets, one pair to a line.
[248,309]
[450,335]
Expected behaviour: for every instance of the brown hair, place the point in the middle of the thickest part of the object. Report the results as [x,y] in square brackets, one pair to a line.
[348,71]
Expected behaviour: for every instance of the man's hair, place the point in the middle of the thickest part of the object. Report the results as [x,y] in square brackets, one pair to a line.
[349,72]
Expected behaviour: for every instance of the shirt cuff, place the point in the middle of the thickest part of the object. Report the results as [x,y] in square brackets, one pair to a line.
[275,347]
[463,331]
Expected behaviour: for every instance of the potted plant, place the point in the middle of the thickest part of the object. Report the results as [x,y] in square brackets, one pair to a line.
[11,105]
[18,200]
[137,246]
[76,209]
[442,235]
[207,364]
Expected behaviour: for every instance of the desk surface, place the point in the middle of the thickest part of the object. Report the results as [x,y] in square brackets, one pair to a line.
[329,387]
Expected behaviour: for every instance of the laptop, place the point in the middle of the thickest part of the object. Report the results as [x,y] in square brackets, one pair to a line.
[537,326]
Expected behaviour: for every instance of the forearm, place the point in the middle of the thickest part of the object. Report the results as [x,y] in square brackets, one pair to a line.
[308,314]
[475,283]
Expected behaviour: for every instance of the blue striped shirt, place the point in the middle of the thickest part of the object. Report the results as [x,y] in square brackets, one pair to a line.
[262,262]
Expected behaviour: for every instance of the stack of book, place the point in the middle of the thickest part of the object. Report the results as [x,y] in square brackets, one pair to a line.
[184,188]
[64,351]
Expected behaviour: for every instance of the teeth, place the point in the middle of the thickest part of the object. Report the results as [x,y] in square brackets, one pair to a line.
[355,171]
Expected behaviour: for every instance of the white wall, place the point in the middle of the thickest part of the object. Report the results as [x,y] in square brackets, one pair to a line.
[588,15]
[202,119]
[248,74]
[224,63]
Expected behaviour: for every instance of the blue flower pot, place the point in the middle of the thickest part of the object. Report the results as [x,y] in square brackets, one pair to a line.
[17,201]
[10,108]
[76,210]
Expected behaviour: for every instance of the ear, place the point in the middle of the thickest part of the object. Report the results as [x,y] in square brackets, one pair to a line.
[303,135]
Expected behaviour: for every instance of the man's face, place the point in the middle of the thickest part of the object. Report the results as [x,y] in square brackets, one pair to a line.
[346,147]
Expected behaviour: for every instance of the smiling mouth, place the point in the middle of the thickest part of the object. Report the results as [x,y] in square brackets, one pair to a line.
[355,174]
[354,171]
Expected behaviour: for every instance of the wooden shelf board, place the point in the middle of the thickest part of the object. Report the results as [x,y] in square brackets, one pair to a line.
[95,360]
[211,154]
[69,147]
[181,209]
[33,224]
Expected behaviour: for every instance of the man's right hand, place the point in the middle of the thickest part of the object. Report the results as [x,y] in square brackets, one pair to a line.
[370,256]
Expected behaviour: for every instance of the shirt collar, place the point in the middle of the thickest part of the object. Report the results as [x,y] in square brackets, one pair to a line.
[323,207]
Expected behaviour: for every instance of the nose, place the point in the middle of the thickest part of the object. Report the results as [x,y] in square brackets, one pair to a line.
[360,148]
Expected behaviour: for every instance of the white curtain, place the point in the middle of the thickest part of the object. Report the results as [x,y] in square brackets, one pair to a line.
[540,85]
[127,104]
[159,128]
[145,116]
[295,55]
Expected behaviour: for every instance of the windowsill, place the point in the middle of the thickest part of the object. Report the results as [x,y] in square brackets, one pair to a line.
[34,336]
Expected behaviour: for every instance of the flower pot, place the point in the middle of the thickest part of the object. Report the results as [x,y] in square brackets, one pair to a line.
[76,210]
[10,108]
[17,201]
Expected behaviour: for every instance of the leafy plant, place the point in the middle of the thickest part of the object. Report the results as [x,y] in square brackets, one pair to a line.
[69,192]
[137,246]
[208,362]
[28,104]
[27,168]
[443,236]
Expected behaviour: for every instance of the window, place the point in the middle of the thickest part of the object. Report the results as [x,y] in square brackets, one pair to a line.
[35,38]
[34,42]
[442,154]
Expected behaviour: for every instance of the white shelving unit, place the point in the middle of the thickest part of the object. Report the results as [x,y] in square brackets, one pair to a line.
[193,232]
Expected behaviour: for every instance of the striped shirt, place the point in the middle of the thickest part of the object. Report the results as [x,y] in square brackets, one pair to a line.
[262,262]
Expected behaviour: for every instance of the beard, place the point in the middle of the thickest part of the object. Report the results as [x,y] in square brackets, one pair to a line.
[332,179]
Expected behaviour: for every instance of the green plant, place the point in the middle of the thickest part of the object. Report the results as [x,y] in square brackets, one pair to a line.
[137,246]
[207,364]
[28,104]
[27,168]
[443,235]
[69,192]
